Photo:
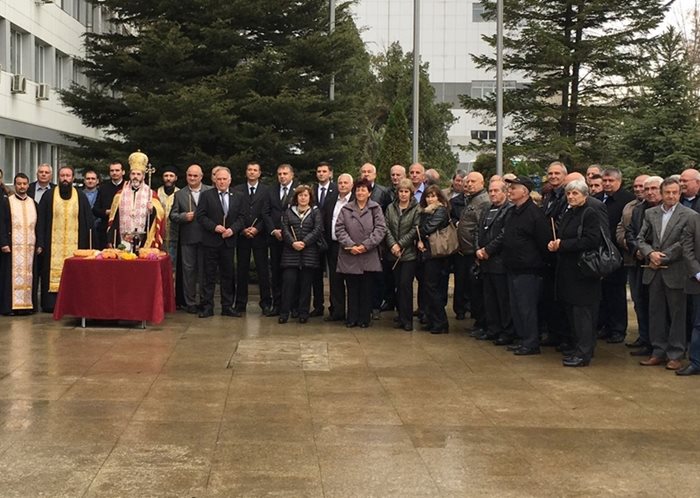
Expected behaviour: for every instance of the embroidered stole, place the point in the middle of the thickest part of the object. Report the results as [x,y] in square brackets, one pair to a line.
[64,235]
[23,222]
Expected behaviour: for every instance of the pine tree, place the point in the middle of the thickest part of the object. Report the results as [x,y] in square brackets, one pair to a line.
[576,56]
[396,142]
[224,81]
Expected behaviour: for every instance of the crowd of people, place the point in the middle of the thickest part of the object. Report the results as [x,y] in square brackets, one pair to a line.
[517,260]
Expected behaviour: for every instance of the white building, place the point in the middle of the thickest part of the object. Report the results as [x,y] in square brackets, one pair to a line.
[38,41]
[450,30]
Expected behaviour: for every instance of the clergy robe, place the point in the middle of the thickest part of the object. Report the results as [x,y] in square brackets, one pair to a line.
[63,226]
[18,232]
[119,223]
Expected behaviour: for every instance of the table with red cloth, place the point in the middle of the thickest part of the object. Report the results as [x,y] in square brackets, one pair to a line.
[114,289]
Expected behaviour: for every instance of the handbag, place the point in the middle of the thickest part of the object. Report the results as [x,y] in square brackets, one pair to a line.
[443,242]
[599,262]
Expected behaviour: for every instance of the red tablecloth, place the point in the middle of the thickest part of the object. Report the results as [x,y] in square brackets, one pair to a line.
[111,289]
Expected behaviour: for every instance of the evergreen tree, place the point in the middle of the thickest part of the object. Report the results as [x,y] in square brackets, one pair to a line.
[396,142]
[575,55]
[224,81]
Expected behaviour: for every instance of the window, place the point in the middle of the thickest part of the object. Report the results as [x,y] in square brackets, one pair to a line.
[40,63]
[482,89]
[16,40]
[59,77]
[478,10]
[483,134]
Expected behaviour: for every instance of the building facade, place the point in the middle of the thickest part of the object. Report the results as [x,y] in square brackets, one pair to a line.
[39,41]
[450,31]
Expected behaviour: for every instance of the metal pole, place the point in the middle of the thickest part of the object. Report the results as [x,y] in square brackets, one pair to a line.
[499,88]
[416,76]
[331,92]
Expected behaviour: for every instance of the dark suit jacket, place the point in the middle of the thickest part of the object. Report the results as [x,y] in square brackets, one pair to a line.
[190,232]
[32,188]
[380,194]
[327,214]
[332,188]
[257,209]
[649,239]
[105,196]
[690,242]
[210,213]
[615,203]
[279,206]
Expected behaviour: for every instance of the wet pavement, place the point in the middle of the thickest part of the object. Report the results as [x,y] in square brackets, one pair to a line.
[248,407]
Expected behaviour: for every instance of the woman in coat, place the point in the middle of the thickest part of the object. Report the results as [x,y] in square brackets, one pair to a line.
[434,216]
[579,231]
[360,229]
[302,228]
[401,220]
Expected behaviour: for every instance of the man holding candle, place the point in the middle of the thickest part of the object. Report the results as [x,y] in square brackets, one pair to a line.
[182,216]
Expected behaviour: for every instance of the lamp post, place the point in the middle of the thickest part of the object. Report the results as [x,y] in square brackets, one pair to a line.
[416,77]
[331,91]
[499,87]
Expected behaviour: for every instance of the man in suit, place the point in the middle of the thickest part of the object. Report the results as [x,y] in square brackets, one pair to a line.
[253,239]
[690,187]
[322,190]
[220,212]
[182,216]
[659,241]
[691,255]
[105,196]
[43,183]
[612,315]
[330,211]
[280,196]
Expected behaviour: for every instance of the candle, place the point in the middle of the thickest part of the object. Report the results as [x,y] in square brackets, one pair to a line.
[90,234]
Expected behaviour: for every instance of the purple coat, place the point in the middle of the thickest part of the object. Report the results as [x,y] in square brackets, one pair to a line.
[355,227]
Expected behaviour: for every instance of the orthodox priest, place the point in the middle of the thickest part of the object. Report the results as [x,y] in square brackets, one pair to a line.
[63,225]
[17,248]
[136,209]
[166,195]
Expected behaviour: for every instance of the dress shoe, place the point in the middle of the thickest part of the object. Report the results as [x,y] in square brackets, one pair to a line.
[690,369]
[364,325]
[205,313]
[333,318]
[376,314]
[488,336]
[645,351]
[476,332]
[426,327]
[231,312]
[523,351]
[350,325]
[503,340]
[240,308]
[615,339]
[637,343]
[408,328]
[283,319]
[439,330]
[652,361]
[191,309]
[460,316]
[513,347]
[303,319]
[575,361]
[673,365]
[274,311]
[316,312]
[398,325]
[602,334]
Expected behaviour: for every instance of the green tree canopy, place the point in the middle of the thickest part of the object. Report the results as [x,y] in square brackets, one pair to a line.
[224,81]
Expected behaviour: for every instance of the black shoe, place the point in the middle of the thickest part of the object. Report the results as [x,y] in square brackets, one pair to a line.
[350,325]
[504,340]
[426,328]
[460,316]
[476,332]
[615,339]
[282,319]
[231,312]
[191,310]
[364,325]
[240,308]
[274,311]
[488,336]
[303,319]
[689,369]
[575,361]
[638,343]
[316,312]
[408,327]
[440,330]
[376,314]
[266,310]
[645,351]
[513,347]
[523,351]
[602,334]
[206,313]
[332,318]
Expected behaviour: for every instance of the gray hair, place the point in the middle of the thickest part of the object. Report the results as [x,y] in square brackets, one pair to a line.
[653,179]
[459,173]
[560,164]
[579,185]
[614,172]
[352,180]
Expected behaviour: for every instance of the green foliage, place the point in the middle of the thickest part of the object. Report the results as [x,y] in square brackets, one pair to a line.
[396,142]
[225,81]
[576,56]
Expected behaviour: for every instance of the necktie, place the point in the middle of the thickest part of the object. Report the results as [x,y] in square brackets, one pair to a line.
[252,191]
[224,202]
[322,197]
[284,193]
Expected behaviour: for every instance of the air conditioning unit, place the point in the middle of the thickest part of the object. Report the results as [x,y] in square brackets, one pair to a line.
[19,84]
[42,91]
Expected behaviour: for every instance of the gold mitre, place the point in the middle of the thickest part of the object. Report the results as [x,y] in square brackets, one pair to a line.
[138,161]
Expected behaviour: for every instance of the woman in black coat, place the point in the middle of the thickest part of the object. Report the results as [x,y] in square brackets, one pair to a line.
[302,228]
[579,231]
[433,217]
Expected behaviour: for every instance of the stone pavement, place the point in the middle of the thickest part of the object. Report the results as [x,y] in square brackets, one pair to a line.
[247,407]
